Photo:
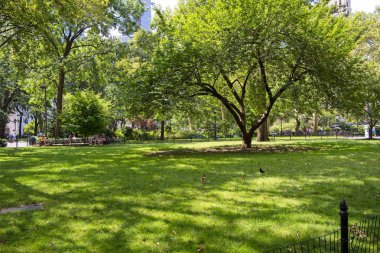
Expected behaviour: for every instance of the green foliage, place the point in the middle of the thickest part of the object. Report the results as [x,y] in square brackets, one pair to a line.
[143,135]
[119,134]
[29,128]
[128,133]
[248,54]
[86,113]
[3,143]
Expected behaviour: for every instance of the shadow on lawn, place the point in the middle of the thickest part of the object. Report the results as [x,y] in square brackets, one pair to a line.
[115,199]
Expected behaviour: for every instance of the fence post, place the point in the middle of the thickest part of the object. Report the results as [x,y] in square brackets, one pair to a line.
[343,226]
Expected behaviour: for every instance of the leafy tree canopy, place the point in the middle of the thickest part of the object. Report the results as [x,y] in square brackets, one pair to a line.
[248,53]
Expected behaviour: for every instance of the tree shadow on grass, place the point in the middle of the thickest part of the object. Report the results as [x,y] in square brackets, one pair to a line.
[112,200]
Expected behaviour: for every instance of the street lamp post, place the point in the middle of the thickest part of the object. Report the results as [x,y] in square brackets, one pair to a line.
[46,124]
[15,131]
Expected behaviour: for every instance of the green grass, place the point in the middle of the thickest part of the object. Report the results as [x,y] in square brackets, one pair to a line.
[135,199]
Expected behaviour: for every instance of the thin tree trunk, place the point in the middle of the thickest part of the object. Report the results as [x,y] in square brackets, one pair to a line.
[263,133]
[298,124]
[162,130]
[61,83]
[41,123]
[3,125]
[35,125]
[191,125]
[371,125]
[20,124]
[315,123]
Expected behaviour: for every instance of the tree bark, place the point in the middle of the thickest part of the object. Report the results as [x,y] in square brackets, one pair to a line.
[20,124]
[162,130]
[35,125]
[61,83]
[371,125]
[263,133]
[315,123]
[41,123]
[298,124]
[2,129]
[191,125]
[247,140]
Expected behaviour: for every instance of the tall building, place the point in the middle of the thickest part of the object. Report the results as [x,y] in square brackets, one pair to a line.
[343,7]
[144,21]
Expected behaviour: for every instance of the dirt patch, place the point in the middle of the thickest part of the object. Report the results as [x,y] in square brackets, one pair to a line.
[33,207]
[236,149]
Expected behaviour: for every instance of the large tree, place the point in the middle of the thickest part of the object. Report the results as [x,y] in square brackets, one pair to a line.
[72,37]
[368,103]
[247,54]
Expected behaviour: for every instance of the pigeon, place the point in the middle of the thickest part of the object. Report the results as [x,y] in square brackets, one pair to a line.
[203,179]
[262,171]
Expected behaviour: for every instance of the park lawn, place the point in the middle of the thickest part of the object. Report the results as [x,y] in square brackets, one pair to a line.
[148,198]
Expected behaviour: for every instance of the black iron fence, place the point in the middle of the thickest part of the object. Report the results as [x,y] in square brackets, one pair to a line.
[363,237]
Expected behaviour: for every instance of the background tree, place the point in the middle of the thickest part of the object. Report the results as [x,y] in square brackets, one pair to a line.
[10,75]
[367,103]
[71,37]
[85,114]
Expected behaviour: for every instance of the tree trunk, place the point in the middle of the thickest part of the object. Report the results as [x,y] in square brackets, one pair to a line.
[162,130]
[20,124]
[315,123]
[61,83]
[2,129]
[298,124]
[41,123]
[35,125]
[371,125]
[247,140]
[263,133]
[215,128]
[191,125]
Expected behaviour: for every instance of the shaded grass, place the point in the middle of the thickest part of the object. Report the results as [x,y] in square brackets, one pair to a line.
[124,199]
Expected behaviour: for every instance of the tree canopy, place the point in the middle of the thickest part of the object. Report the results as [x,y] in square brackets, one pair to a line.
[247,54]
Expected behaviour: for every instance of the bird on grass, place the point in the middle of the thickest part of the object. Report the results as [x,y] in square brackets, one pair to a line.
[262,171]
[203,179]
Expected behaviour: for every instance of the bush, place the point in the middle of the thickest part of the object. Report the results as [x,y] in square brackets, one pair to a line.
[143,135]
[109,133]
[3,143]
[128,133]
[119,134]
[85,113]
[29,128]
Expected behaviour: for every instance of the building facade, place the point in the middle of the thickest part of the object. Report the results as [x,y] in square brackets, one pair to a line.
[14,126]
[343,7]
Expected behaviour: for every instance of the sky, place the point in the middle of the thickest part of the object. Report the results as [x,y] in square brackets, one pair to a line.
[357,5]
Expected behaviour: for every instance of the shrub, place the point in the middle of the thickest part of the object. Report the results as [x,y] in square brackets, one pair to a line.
[128,133]
[85,113]
[29,128]
[119,134]
[143,135]
[3,143]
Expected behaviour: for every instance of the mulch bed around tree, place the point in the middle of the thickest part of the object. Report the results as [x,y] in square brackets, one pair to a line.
[237,149]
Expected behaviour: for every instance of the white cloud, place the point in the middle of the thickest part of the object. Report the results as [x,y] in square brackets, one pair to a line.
[166,3]
[364,5]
